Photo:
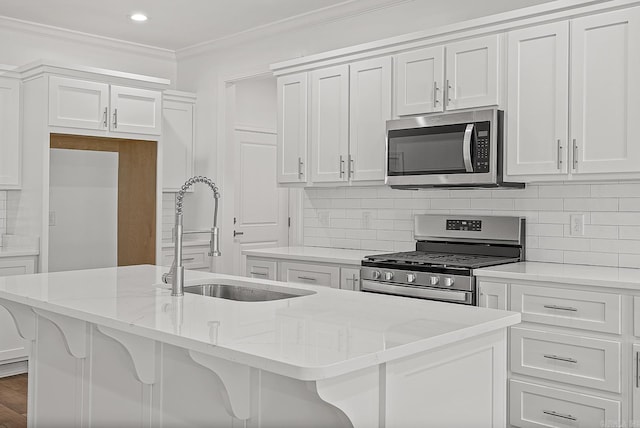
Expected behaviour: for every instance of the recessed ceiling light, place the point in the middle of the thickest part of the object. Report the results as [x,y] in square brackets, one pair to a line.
[139,17]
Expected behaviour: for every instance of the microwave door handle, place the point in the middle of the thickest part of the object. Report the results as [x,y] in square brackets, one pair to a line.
[466,148]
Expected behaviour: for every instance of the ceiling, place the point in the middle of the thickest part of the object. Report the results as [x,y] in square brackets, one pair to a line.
[172,24]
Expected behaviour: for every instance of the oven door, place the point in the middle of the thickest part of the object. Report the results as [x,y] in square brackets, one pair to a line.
[452,296]
[442,150]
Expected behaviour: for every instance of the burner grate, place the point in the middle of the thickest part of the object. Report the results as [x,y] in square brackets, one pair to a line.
[441,259]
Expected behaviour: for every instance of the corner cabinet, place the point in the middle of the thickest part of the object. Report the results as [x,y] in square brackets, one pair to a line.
[292,128]
[10,143]
[451,77]
[76,103]
[178,139]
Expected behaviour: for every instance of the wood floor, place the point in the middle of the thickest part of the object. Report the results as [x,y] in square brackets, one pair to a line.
[13,402]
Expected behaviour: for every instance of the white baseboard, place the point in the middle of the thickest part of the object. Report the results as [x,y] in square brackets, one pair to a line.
[12,369]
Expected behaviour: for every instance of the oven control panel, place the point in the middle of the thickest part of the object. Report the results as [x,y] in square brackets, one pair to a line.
[470,225]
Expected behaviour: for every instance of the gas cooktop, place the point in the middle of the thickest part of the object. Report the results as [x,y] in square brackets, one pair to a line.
[423,258]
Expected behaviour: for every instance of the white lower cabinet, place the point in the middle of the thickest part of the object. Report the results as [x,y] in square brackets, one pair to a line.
[289,270]
[265,269]
[541,406]
[576,360]
[492,295]
[313,274]
[350,279]
[12,346]
[194,257]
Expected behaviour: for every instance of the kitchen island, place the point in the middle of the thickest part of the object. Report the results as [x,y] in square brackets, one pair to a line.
[113,347]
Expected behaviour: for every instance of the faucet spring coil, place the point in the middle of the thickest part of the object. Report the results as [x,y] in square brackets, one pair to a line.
[190,182]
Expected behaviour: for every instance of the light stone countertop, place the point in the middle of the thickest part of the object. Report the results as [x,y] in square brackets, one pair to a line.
[378,328]
[313,254]
[599,276]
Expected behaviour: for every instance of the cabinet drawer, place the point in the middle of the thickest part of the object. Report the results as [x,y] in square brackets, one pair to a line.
[581,361]
[11,266]
[567,308]
[265,269]
[192,258]
[304,273]
[539,406]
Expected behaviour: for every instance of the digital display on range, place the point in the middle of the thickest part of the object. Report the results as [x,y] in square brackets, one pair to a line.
[467,225]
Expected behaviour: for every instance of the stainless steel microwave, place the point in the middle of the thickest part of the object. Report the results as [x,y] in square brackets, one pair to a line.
[454,150]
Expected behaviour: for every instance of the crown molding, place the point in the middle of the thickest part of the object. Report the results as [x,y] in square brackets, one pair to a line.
[86,38]
[325,15]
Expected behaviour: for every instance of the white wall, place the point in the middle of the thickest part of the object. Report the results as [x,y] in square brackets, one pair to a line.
[83,197]
[338,218]
[23,43]
[256,103]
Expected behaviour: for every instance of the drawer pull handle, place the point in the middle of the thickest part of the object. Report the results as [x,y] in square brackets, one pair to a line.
[566,359]
[307,278]
[637,369]
[188,259]
[560,415]
[561,308]
[258,273]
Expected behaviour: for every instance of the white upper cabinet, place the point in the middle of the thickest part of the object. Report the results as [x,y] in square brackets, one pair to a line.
[370,108]
[538,100]
[472,73]
[77,103]
[605,92]
[136,110]
[329,124]
[419,77]
[10,145]
[84,104]
[292,128]
[178,139]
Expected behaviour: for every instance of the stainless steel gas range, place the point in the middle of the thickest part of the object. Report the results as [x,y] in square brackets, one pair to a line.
[448,249]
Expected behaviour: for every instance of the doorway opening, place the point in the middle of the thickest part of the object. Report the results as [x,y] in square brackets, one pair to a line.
[90,202]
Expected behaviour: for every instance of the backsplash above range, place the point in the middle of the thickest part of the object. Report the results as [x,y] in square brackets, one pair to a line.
[380,218]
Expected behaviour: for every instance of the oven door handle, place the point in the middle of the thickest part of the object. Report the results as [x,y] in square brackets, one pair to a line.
[466,147]
[420,292]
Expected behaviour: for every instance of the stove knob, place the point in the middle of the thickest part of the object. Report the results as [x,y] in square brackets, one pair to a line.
[448,281]
[411,277]
[388,276]
[434,280]
[375,274]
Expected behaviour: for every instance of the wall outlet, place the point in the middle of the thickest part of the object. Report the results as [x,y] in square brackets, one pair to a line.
[576,224]
[366,219]
[324,217]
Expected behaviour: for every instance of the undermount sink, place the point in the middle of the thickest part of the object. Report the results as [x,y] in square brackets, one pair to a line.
[243,294]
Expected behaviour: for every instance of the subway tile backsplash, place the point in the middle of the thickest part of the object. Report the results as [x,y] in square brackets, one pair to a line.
[380,218]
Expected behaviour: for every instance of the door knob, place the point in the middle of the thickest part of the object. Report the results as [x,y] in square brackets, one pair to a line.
[237,233]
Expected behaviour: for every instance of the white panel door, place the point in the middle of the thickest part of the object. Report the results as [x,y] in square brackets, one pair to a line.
[10,145]
[177,144]
[329,124]
[419,77]
[261,207]
[136,110]
[292,128]
[605,92]
[472,73]
[78,103]
[538,100]
[12,346]
[370,108]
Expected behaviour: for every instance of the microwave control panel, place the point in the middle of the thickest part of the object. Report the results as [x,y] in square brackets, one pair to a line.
[482,151]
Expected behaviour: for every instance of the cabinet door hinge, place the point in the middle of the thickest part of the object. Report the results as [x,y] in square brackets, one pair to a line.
[289,222]
[235,220]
